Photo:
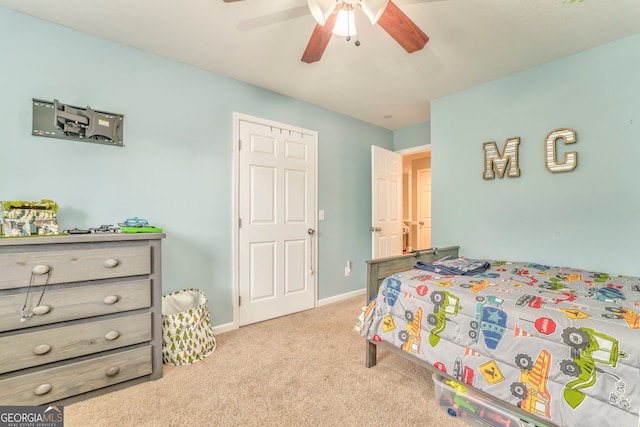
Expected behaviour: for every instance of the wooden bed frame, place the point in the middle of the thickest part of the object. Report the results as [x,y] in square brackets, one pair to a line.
[377,271]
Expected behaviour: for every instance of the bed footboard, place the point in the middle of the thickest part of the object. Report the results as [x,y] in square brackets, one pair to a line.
[378,269]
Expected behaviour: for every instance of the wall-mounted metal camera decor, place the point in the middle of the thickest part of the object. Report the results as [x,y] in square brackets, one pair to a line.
[58,120]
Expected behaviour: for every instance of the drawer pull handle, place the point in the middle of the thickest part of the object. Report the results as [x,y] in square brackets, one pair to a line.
[111,335]
[41,309]
[41,269]
[110,263]
[41,349]
[111,299]
[25,313]
[42,389]
[112,372]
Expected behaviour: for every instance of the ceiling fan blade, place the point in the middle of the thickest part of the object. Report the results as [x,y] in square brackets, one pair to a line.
[402,29]
[319,40]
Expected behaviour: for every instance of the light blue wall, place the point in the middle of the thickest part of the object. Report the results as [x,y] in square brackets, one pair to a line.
[412,136]
[586,218]
[176,166]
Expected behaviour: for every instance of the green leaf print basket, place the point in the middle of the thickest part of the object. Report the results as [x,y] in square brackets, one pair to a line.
[187,335]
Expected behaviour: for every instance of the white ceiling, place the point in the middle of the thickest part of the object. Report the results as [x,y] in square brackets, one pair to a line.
[261,41]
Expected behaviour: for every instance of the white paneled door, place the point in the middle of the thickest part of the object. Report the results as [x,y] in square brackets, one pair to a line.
[276,227]
[386,192]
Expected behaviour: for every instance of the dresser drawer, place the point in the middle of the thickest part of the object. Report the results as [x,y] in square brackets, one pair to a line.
[75,302]
[52,345]
[51,384]
[72,265]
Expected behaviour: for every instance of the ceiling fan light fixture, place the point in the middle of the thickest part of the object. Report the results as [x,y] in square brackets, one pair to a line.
[373,9]
[321,9]
[345,22]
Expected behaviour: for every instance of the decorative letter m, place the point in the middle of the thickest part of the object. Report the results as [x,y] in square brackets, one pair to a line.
[496,162]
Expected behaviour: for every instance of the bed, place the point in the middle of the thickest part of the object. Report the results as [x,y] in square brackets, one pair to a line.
[555,346]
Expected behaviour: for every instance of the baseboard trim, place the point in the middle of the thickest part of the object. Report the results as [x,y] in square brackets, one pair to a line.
[228,327]
[341,297]
[221,329]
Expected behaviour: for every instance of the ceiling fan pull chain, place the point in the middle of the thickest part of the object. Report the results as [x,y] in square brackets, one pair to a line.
[355,23]
[348,38]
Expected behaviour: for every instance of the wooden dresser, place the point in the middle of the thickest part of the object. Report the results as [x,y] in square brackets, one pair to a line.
[80,315]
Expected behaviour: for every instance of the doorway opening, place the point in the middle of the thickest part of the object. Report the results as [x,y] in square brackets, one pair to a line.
[416,198]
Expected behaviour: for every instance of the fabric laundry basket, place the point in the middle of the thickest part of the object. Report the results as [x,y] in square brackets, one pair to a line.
[187,335]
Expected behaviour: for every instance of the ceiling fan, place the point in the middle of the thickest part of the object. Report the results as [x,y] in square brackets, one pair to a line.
[337,17]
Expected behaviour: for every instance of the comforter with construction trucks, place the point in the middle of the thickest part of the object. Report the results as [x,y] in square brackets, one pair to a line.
[558,342]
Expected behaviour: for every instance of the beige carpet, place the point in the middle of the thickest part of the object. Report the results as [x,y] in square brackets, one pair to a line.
[306,369]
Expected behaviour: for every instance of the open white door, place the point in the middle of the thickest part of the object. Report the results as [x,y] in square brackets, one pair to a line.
[276,226]
[386,192]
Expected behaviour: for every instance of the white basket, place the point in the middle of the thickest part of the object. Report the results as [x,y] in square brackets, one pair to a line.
[187,335]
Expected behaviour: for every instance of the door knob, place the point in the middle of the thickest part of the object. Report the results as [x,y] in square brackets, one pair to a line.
[375,229]
[421,223]
[311,231]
